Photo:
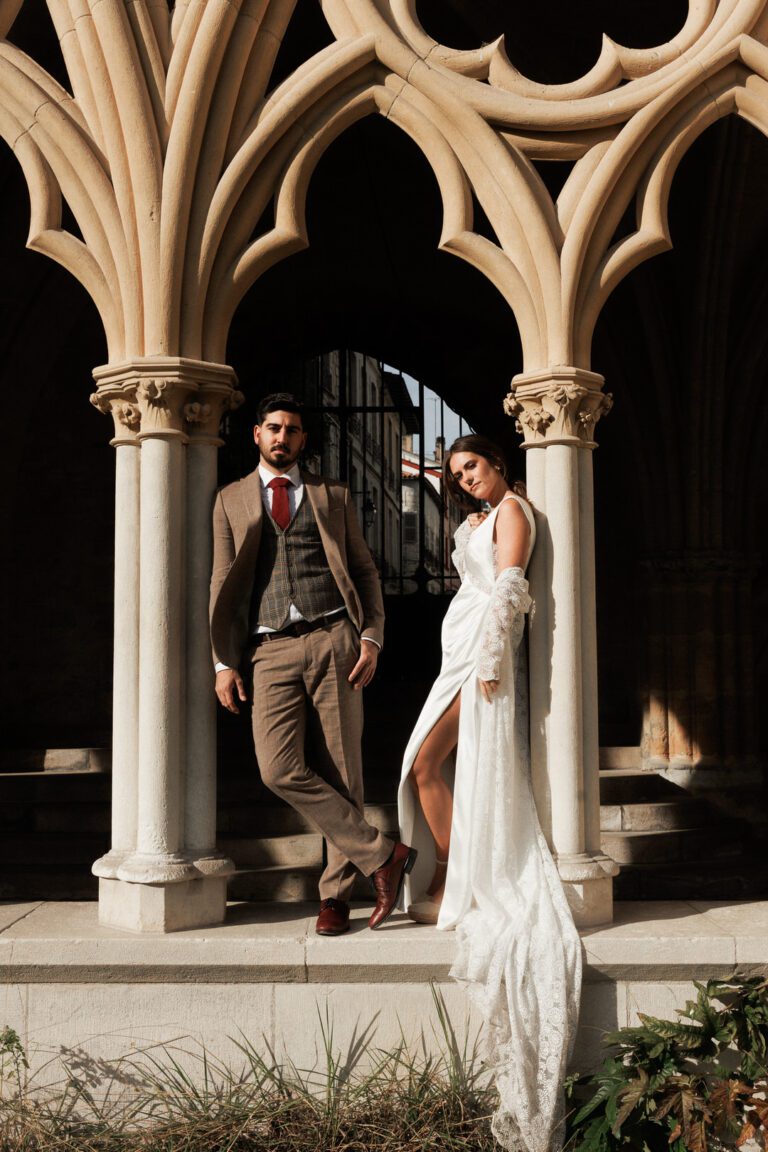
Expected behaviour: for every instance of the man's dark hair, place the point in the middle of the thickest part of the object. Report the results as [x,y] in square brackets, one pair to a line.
[279,402]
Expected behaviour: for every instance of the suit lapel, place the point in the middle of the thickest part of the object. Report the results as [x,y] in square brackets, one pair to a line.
[317,494]
[250,493]
[246,518]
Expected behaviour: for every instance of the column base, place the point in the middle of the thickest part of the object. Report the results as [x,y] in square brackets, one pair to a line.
[171,907]
[107,866]
[588,885]
[157,868]
[212,863]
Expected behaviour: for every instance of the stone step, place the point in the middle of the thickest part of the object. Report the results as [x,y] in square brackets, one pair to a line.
[48,882]
[242,802]
[637,786]
[45,817]
[274,851]
[54,760]
[730,879]
[55,820]
[66,850]
[70,787]
[661,816]
[278,883]
[663,847]
[619,758]
[282,884]
[233,820]
[276,819]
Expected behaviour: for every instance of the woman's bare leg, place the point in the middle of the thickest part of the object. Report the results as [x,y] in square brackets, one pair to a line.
[431,790]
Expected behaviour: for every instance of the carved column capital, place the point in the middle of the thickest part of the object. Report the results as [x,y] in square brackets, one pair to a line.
[558,406]
[119,402]
[203,414]
[166,396]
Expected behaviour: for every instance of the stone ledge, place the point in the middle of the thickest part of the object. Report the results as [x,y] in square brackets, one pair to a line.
[90,995]
[52,943]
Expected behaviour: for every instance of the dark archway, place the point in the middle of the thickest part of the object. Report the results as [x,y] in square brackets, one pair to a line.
[680,509]
[682,345]
[56,499]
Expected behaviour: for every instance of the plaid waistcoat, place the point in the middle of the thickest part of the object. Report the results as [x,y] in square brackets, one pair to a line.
[292,568]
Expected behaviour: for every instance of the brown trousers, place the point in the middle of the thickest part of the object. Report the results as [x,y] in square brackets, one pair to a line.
[302,698]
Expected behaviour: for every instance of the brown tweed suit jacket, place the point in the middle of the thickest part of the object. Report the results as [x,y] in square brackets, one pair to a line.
[237,521]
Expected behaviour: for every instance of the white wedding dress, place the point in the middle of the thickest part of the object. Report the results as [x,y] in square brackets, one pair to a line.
[519,954]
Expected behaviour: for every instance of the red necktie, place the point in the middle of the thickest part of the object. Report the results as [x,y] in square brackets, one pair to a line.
[281,513]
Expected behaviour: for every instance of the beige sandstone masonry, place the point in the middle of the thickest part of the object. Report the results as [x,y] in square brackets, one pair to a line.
[167,149]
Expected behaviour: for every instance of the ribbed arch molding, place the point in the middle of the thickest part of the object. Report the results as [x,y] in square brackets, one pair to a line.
[172,143]
[231,280]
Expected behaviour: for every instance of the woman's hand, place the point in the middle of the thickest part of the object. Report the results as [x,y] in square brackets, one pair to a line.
[488,687]
[475,519]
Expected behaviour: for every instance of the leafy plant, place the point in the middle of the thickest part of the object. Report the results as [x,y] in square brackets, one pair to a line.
[13,1060]
[696,1084]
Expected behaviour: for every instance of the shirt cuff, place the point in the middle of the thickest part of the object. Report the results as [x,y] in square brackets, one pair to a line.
[371,640]
[219,667]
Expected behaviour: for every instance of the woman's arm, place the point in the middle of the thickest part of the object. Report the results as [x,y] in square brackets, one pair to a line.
[512,534]
[510,593]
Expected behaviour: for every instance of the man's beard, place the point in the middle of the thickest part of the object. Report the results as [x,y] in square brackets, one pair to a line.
[280,459]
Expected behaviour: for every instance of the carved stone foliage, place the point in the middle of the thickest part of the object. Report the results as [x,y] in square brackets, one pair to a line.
[171,144]
[559,407]
[120,403]
[166,396]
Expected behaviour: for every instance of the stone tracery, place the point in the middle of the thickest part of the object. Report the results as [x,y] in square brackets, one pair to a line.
[171,148]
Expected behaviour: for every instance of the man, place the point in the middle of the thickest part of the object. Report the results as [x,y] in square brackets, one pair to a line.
[295,600]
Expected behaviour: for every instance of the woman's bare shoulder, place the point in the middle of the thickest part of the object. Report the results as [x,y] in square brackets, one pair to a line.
[511,511]
[512,524]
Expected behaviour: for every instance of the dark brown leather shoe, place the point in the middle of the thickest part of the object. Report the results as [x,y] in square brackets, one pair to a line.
[333,919]
[388,882]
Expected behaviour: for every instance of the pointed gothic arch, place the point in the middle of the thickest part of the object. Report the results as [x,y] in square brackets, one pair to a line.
[373,215]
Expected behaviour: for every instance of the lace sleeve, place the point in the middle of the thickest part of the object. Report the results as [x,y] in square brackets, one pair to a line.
[509,598]
[461,539]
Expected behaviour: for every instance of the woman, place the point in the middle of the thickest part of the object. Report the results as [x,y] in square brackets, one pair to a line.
[484,867]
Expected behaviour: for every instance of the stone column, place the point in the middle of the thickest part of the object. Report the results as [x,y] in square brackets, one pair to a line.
[539,631]
[120,401]
[202,419]
[172,876]
[556,411]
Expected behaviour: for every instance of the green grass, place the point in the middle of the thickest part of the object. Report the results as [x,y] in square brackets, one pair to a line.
[183,1099]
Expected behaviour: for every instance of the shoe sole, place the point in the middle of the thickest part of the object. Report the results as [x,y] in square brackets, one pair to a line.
[410,860]
[421,917]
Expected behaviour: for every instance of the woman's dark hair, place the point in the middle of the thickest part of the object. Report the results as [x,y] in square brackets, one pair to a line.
[278,402]
[479,446]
